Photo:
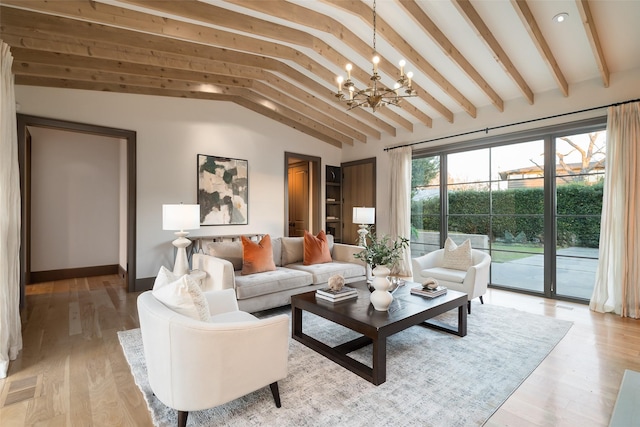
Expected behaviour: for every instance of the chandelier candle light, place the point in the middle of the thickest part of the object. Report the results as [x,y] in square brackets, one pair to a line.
[376,95]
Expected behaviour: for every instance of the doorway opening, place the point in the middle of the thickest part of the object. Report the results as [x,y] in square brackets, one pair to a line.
[302,194]
[128,138]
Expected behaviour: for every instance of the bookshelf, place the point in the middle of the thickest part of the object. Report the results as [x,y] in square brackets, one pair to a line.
[333,202]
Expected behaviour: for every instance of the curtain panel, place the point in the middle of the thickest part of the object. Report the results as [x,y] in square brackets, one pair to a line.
[400,212]
[10,329]
[617,287]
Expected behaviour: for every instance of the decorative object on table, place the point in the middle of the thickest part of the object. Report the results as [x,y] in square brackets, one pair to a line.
[382,251]
[364,217]
[344,293]
[181,217]
[430,283]
[428,292]
[336,282]
[223,190]
[381,298]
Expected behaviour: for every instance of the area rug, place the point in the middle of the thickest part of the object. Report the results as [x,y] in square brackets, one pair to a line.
[433,378]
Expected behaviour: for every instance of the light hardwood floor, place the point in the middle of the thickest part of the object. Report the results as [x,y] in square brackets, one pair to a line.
[71,371]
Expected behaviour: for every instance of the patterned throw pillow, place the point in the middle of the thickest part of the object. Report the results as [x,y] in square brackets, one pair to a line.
[183,296]
[257,257]
[316,248]
[457,257]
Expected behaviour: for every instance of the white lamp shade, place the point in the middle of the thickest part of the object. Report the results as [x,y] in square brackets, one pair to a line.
[364,215]
[180,217]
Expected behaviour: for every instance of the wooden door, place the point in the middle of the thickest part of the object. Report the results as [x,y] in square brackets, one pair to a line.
[358,189]
[298,199]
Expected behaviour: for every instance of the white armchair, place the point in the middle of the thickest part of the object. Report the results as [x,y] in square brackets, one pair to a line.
[194,365]
[473,282]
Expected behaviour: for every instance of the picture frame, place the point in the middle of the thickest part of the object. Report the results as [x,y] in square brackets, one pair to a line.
[223,190]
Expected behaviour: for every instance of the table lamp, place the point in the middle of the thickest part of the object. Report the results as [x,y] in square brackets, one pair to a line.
[364,217]
[181,217]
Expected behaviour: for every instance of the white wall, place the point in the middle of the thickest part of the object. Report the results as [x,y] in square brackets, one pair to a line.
[75,200]
[623,87]
[170,133]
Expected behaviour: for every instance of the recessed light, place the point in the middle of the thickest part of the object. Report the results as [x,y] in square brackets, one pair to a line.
[561,17]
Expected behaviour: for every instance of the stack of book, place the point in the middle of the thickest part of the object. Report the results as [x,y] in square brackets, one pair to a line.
[343,294]
[429,293]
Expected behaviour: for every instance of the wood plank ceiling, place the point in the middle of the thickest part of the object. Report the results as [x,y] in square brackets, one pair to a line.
[280,58]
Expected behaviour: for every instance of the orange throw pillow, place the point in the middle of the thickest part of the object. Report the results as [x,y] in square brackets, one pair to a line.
[316,249]
[257,257]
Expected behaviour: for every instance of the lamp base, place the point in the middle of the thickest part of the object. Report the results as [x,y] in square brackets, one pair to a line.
[363,231]
[181,266]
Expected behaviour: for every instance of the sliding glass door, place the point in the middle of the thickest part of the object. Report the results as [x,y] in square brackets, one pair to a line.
[532,202]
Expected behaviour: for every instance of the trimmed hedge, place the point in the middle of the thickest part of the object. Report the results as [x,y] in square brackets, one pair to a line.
[518,212]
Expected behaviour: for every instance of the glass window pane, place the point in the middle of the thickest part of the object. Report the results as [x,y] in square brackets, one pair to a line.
[469,166]
[474,227]
[580,155]
[469,199]
[512,164]
[523,271]
[519,233]
[524,201]
[579,199]
[575,276]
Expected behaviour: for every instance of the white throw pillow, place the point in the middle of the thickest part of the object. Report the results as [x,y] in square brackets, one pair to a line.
[292,250]
[457,257]
[184,296]
[164,277]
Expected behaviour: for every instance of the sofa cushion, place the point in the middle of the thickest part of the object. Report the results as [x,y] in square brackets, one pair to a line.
[276,245]
[457,257]
[292,250]
[183,296]
[231,251]
[322,272]
[447,274]
[257,257]
[270,282]
[316,249]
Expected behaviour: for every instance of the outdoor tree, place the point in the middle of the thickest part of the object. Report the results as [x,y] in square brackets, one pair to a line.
[423,171]
[592,156]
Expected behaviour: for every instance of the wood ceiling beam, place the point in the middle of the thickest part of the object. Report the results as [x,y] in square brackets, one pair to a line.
[423,20]
[474,20]
[527,18]
[26,61]
[303,16]
[592,34]
[139,26]
[245,100]
[222,17]
[66,35]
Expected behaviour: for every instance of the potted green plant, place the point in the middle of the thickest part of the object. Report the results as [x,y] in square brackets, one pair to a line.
[382,251]
[381,255]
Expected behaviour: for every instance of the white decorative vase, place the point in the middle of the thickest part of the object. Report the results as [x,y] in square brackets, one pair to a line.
[381,298]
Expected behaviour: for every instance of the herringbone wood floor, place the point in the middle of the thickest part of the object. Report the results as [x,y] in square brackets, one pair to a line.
[71,371]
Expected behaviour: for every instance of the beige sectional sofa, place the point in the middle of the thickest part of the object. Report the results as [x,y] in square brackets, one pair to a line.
[222,261]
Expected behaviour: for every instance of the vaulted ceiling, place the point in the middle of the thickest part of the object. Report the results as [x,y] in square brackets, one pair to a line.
[280,58]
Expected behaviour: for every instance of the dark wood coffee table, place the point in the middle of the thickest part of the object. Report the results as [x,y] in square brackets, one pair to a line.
[405,311]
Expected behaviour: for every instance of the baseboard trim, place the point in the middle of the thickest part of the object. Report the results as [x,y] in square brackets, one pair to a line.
[73,273]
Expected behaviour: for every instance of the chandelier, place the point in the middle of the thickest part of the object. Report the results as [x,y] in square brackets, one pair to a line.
[376,95]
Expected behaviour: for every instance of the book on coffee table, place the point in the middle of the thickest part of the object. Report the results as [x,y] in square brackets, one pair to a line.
[330,293]
[337,299]
[429,293]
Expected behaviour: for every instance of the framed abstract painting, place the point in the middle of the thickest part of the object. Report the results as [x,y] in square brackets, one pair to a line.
[223,190]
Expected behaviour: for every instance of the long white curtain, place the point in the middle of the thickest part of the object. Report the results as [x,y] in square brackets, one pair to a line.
[10,330]
[400,212]
[617,287]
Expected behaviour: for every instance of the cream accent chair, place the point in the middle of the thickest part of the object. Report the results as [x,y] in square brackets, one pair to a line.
[194,365]
[473,282]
